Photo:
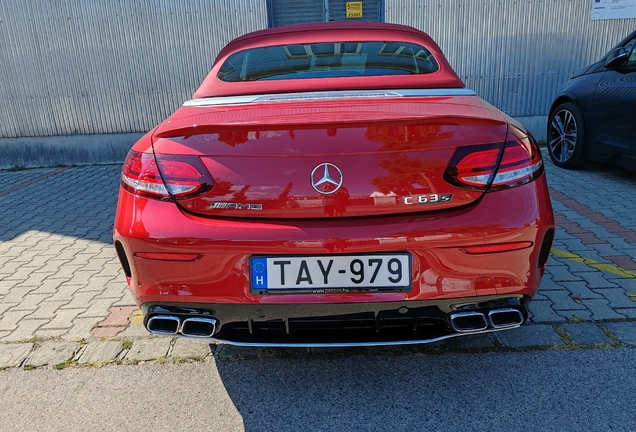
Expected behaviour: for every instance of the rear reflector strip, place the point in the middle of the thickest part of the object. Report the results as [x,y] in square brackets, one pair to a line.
[499,247]
[482,283]
[167,256]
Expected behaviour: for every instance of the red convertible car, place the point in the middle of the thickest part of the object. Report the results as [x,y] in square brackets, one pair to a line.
[333,185]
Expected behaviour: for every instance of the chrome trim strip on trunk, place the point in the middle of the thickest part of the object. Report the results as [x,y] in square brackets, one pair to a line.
[345,94]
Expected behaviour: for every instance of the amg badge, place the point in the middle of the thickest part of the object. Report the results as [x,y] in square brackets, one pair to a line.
[235,206]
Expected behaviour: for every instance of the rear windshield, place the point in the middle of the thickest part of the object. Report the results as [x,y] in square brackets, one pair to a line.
[327,60]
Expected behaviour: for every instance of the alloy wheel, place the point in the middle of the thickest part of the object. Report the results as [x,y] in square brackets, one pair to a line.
[562,137]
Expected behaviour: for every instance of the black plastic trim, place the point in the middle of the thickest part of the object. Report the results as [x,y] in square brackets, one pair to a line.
[123,259]
[546,245]
[385,322]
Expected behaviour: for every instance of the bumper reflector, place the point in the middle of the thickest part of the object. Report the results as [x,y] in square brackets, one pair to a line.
[499,247]
[167,256]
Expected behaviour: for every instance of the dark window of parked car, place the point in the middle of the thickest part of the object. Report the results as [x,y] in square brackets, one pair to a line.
[328,60]
[631,50]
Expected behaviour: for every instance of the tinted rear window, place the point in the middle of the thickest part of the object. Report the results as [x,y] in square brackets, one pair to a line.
[328,60]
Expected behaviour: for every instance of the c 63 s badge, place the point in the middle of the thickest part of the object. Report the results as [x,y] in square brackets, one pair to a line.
[427,199]
[236,206]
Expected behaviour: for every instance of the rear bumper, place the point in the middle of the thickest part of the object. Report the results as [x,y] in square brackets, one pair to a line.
[353,324]
[217,282]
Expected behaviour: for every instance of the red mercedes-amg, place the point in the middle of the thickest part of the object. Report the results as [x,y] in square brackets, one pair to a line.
[333,185]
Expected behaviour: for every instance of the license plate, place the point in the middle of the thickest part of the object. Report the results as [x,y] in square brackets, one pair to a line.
[331,273]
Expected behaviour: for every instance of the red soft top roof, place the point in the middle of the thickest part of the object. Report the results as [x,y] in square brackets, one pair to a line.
[445,77]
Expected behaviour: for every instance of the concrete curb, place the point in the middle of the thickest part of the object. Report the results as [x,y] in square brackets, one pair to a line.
[59,354]
[65,150]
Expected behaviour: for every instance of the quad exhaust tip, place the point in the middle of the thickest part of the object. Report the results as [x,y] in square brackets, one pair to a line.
[505,318]
[163,324]
[197,327]
[468,322]
[465,322]
[461,322]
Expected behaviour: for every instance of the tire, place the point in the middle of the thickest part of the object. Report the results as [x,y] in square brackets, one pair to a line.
[566,136]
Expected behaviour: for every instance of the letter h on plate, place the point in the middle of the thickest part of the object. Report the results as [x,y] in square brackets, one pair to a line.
[259,273]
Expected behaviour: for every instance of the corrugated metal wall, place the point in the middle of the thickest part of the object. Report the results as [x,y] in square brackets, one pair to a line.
[287,12]
[516,54]
[110,66]
[295,12]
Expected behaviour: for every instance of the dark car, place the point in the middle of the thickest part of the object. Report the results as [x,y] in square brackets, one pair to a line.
[593,117]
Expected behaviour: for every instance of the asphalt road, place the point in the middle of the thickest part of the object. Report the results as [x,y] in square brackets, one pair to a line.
[588,390]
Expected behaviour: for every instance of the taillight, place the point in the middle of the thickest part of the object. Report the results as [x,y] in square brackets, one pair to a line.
[141,176]
[473,167]
[521,163]
[495,166]
[165,176]
[184,176]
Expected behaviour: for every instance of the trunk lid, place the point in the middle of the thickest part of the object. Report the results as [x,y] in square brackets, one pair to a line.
[322,159]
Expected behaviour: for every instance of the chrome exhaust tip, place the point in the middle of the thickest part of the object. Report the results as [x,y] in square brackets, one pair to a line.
[163,324]
[198,327]
[505,318]
[463,322]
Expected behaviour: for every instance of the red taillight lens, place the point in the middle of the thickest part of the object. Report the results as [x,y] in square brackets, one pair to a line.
[521,163]
[141,176]
[476,169]
[484,166]
[179,177]
[184,176]
[473,167]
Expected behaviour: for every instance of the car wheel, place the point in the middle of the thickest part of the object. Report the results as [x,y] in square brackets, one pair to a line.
[566,136]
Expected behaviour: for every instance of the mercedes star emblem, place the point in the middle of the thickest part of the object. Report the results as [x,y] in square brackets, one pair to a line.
[326,178]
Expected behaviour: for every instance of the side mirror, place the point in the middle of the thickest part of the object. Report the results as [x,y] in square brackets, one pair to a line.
[616,58]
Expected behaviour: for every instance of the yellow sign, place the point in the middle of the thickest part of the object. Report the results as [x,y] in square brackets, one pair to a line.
[354,9]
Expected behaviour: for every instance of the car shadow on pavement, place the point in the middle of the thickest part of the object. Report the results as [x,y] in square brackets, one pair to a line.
[68,201]
[450,392]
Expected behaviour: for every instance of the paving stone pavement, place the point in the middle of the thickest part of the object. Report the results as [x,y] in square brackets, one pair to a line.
[62,290]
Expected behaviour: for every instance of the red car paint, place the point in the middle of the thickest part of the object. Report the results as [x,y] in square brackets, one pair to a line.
[441,268]
[395,148]
[397,156]
[332,32]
